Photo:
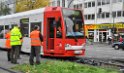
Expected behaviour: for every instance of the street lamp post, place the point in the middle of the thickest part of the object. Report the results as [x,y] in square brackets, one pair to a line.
[113,27]
[70,3]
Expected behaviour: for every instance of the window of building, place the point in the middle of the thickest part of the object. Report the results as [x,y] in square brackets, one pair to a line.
[118,13]
[93,16]
[85,17]
[89,17]
[58,3]
[98,15]
[107,15]
[89,4]
[53,3]
[80,5]
[107,1]
[103,2]
[93,4]
[85,5]
[63,3]
[123,13]
[103,15]
[114,1]
[99,2]
[75,6]
[114,14]
[119,0]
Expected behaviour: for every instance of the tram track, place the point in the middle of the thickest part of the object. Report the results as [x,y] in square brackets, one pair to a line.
[118,63]
[111,63]
[7,70]
[93,61]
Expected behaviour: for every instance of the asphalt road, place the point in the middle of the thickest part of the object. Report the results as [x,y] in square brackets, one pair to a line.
[92,51]
[106,51]
[5,66]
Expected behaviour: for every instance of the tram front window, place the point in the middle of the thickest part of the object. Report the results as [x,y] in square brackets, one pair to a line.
[73,23]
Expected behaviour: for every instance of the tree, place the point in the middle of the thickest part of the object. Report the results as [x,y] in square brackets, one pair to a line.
[25,5]
[4,9]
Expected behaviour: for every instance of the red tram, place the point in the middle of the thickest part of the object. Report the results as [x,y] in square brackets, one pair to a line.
[62,29]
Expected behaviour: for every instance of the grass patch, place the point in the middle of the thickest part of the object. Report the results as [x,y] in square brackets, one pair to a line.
[61,67]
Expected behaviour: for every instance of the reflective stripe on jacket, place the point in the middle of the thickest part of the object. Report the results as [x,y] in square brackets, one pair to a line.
[35,39]
[7,36]
[15,36]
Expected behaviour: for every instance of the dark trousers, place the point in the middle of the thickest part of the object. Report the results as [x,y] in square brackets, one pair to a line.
[14,53]
[35,51]
[19,51]
[9,54]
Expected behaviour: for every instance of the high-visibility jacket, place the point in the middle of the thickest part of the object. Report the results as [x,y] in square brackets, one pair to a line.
[15,36]
[7,36]
[35,39]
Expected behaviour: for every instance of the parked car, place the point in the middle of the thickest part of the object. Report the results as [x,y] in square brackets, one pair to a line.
[118,45]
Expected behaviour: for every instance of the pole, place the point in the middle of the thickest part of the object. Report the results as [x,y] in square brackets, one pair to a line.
[70,3]
[113,27]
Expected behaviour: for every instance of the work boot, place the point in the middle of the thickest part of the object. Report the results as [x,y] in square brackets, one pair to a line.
[31,62]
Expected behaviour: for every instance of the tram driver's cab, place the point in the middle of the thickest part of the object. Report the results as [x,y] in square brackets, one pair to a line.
[63,27]
[58,29]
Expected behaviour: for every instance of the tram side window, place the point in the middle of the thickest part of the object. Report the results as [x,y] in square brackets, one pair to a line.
[6,27]
[59,29]
[12,25]
[1,31]
[35,23]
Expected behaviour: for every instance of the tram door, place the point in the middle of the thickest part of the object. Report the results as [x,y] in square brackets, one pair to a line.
[50,33]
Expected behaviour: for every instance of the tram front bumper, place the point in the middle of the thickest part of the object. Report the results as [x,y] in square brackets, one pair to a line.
[75,50]
[70,47]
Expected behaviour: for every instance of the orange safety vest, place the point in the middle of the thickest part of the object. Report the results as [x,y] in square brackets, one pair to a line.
[7,36]
[35,39]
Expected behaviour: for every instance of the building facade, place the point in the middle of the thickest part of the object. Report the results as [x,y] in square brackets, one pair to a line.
[103,18]
[62,3]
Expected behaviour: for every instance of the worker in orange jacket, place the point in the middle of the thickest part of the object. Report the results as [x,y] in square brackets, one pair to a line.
[8,47]
[36,41]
